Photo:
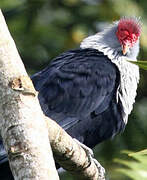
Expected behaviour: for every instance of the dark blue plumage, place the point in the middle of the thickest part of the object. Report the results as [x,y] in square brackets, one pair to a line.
[77,90]
[5,172]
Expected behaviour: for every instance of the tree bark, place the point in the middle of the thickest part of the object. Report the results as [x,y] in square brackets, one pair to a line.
[23,129]
[26,131]
[70,155]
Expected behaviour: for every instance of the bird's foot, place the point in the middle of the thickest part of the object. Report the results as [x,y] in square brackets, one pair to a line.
[86,148]
[101,170]
[90,155]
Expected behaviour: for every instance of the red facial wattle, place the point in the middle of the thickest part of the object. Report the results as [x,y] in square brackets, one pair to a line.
[127,33]
[126,37]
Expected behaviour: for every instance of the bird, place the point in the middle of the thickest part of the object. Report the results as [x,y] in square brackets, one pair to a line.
[90,91]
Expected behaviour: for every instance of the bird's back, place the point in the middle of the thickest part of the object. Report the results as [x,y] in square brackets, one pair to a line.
[78,90]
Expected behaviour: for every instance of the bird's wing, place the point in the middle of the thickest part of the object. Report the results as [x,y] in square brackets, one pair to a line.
[75,84]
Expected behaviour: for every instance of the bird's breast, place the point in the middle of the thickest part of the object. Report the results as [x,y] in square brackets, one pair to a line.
[129,78]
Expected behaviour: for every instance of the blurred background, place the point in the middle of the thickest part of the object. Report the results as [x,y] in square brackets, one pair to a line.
[43,29]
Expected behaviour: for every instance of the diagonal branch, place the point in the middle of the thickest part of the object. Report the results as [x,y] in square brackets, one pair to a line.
[70,155]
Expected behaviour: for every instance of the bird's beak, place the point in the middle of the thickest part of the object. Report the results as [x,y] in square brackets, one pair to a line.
[125,48]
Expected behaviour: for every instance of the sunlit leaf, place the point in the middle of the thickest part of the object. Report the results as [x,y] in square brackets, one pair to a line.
[141,64]
[135,166]
[143,152]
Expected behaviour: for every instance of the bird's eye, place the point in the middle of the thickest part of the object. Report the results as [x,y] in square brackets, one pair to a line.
[133,36]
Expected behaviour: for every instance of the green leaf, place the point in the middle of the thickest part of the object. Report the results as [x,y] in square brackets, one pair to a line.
[135,175]
[143,152]
[141,64]
[135,165]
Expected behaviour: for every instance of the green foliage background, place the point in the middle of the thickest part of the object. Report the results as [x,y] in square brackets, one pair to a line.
[43,29]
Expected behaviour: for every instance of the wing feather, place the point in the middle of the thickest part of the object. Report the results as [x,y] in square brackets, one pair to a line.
[75,84]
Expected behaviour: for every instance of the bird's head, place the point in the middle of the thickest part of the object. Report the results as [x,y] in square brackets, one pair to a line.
[119,39]
[128,32]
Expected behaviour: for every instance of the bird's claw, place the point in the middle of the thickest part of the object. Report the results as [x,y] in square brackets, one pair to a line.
[88,151]
[90,155]
[101,170]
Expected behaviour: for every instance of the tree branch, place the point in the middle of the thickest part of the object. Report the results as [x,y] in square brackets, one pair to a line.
[70,155]
[25,130]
